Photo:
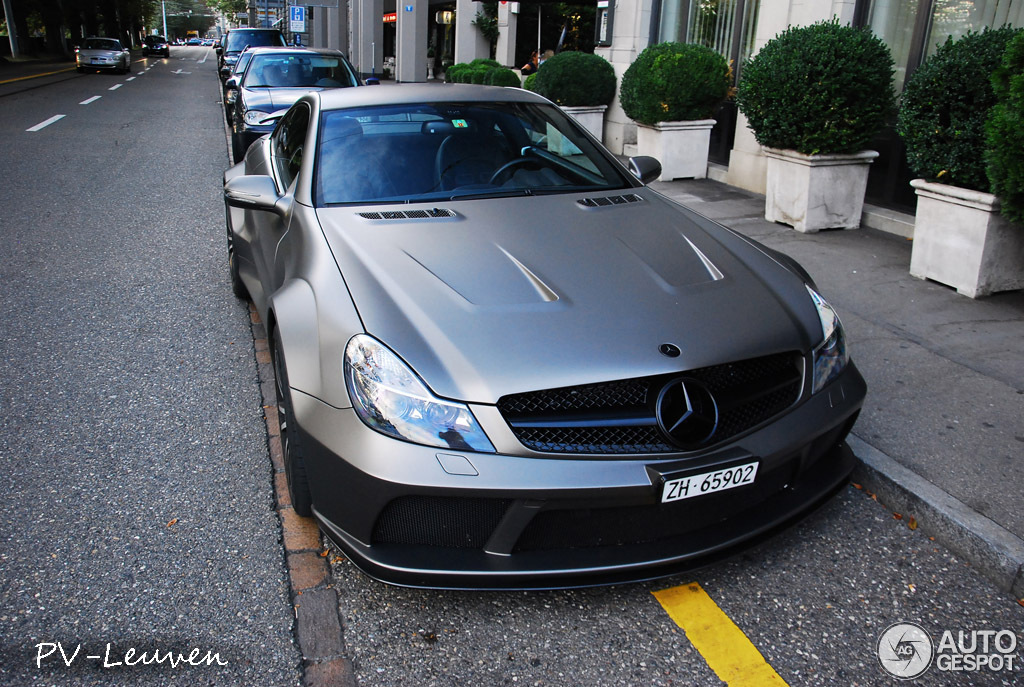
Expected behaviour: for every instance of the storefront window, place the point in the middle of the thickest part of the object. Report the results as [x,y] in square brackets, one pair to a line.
[957,17]
[893,21]
[725,26]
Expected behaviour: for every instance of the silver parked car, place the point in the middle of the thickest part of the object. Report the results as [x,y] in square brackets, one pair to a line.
[102,54]
[503,362]
[274,79]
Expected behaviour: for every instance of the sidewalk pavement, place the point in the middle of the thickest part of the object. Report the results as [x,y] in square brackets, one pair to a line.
[941,436]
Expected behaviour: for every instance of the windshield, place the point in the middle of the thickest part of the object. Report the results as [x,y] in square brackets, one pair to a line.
[424,152]
[102,44]
[155,40]
[238,39]
[297,71]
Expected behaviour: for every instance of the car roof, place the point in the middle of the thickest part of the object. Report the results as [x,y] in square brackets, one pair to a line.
[281,50]
[333,99]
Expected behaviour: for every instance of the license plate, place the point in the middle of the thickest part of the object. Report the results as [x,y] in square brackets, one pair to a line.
[709,482]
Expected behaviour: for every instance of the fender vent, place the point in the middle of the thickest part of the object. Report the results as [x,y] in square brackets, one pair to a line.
[408,214]
[606,201]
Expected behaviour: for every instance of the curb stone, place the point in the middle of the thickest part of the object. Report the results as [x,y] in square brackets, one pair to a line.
[995,552]
[318,630]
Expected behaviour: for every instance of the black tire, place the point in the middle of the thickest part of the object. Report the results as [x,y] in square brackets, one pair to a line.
[291,441]
[237,285]
[237,149]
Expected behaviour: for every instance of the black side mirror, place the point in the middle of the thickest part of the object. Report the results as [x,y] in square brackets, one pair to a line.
[232,85]
[644,168]
[217,49]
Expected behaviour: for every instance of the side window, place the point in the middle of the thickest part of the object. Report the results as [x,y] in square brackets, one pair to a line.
[288,144]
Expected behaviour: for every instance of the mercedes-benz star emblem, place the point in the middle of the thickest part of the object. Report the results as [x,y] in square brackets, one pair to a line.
[687,412]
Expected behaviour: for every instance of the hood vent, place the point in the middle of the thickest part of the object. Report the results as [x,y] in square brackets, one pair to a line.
[606,201]
[433,213]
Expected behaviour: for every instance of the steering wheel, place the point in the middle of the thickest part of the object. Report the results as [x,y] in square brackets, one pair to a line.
[509,167]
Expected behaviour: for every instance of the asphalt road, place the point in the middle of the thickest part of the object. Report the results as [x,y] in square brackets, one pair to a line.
[138,504]
[138,510]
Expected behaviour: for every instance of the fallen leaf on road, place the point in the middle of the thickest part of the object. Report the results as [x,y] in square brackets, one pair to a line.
[898,516]
[172,523]
[913,523]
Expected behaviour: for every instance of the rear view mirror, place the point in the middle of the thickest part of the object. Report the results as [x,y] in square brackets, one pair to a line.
[252,192]
[645,168]
[232,83]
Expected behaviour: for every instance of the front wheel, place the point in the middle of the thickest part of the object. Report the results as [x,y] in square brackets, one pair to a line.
[237,285]
[237,147]
[291,443]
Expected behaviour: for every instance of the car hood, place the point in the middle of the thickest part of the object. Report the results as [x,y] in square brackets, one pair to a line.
[521,294]
[273,99]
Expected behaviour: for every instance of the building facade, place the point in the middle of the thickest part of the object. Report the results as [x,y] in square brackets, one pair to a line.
[397,35]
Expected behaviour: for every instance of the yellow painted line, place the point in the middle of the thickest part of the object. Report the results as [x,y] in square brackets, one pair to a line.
[36,76]
[723,645]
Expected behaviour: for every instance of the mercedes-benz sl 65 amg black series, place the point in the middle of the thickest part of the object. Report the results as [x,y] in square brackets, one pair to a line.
[503,362]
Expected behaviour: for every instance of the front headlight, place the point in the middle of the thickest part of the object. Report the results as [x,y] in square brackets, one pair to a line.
[255,117]
[831,356]
[390,398]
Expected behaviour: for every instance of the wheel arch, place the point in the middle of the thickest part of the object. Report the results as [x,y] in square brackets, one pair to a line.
[292,311]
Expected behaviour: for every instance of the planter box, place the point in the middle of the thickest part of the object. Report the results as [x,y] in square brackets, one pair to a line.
[680,147]
[590,118]
[815,192]
[961,240]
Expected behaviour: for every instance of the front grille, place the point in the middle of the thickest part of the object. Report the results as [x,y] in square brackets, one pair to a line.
[620,417]
[582,528]
[439,521]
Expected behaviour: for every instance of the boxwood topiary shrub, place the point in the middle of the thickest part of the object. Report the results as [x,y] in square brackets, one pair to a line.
[576,79]
[944,106]
[455,72]
[671,82]
[500,76]
[819,89]
[531,82]
[1005,132]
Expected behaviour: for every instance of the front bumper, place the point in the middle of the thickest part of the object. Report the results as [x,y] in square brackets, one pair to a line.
[419,516]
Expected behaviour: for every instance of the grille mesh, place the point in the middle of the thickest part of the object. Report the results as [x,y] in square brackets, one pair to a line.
[439,521]
[408,214]
[620,417]
[606,201]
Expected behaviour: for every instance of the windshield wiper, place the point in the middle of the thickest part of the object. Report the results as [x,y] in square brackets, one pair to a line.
[502,193]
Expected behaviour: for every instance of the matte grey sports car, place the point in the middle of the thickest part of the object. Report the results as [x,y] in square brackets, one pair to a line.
[503,362]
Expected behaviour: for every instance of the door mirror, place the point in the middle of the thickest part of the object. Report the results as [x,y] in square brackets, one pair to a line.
[252,192]
[371,81]
[645,168]
[232,83]
[218,49]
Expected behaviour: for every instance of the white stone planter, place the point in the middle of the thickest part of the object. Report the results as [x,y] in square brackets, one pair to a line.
[815,192]
[961,240]
[590,118]
[680,147]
